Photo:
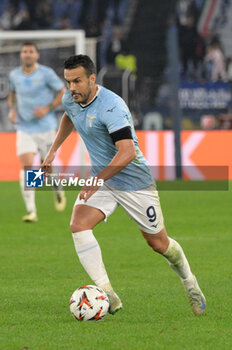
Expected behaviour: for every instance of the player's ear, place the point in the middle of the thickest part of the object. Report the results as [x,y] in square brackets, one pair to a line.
[92,78]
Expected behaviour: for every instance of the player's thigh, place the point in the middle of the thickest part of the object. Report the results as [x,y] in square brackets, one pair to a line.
[27,159]
[144,208]
[98,207]
[44,141]
[26,147]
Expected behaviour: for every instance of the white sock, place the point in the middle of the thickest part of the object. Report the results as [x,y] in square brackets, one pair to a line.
[177,260]
[90,256]
[28,195]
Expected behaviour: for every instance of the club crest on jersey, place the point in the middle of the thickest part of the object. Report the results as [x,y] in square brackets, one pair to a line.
[91,119]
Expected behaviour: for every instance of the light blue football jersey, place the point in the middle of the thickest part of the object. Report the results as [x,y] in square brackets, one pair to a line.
[35,89]
[95,122]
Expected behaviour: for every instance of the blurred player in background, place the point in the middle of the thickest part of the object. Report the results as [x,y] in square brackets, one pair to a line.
[104,122]
[35,90]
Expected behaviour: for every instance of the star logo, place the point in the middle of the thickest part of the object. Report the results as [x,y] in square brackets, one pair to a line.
[38,174]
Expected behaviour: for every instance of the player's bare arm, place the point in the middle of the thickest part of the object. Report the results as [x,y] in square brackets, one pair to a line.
[41,111]
[12,105]
[65,128]
[126,153]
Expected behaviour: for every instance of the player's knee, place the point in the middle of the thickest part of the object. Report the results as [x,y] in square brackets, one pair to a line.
[157,245]
[79,224]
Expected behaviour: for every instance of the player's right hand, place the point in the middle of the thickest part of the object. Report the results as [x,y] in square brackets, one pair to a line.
[47,163]
[12,116]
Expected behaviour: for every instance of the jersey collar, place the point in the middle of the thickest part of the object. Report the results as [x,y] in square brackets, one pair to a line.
[27,74]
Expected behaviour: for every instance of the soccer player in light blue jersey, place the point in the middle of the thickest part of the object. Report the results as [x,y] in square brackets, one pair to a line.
[104,122]
[35,90]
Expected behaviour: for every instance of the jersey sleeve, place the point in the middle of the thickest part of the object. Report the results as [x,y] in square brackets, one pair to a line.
[65,104]
[53,81]
[11,82]
[115,117]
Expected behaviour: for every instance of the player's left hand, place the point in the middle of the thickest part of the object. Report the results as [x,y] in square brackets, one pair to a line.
[41,111]
[87,192]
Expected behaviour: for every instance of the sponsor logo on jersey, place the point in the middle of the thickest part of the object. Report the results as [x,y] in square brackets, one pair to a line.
[111,110]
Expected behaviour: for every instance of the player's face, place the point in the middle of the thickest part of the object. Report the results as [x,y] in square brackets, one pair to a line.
[29,55]
[81,87]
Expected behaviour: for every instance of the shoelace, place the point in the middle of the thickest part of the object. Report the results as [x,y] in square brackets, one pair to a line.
[194,297]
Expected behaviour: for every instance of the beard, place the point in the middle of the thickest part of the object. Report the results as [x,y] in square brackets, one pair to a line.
[28,63]
[84,101]
[84,96]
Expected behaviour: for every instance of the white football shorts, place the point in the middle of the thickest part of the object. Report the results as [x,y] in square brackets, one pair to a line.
[142,206]
[34,143]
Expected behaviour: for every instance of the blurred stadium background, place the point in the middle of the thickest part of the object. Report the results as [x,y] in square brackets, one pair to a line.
[171,61]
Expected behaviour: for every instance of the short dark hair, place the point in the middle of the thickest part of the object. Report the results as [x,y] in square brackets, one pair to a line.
[80,61]
[29,43]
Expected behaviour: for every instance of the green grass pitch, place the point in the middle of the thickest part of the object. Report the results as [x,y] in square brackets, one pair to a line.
[39,271]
